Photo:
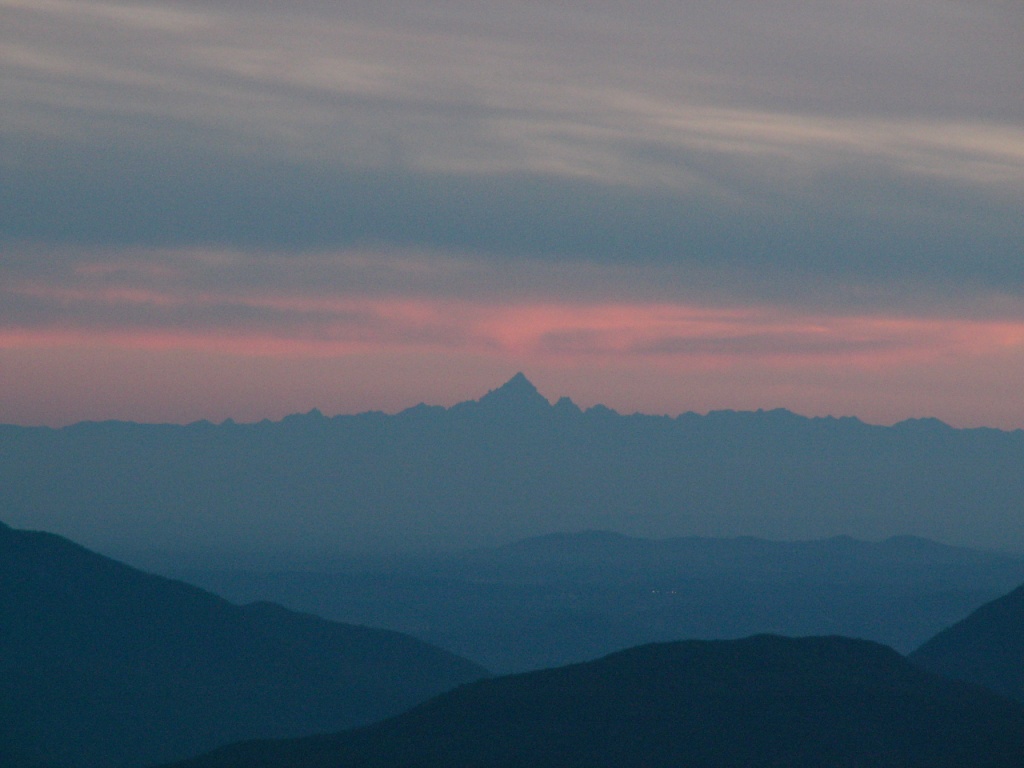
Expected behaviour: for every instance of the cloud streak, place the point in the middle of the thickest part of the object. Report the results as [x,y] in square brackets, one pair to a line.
[681,135]
[173,301]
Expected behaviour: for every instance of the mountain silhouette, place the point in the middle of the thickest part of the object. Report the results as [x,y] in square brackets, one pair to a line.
[765,701]
[986,648]
[505,467]
[516,393]
[104,665]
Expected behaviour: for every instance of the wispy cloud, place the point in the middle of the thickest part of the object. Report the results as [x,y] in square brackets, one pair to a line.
[486,91]
[206,300]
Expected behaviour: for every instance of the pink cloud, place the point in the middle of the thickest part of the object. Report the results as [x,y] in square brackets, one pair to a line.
[549,331]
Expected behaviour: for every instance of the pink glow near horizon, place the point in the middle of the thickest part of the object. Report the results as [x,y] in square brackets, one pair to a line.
[346,354]
[568,331]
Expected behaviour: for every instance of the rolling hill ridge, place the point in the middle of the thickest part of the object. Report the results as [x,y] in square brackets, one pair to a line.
[102,665]
[986,647]
[764,701]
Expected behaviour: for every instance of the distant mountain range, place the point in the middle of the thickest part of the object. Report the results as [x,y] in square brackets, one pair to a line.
[765,701]
[507,466]
[570,597]
[102,665]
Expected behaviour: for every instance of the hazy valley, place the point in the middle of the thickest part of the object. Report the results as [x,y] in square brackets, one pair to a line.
[565,598]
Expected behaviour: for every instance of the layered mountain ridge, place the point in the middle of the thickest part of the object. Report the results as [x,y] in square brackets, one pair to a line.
[102,665]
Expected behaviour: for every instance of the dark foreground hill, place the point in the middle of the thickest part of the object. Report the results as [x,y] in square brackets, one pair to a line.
[12,757]
[565,598]
[986,648]
[103,665]
[765,701]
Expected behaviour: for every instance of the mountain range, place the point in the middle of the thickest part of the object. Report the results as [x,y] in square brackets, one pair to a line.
[507,466]
[103,666]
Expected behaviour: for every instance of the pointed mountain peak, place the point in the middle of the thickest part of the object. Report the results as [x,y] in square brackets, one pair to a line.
[518,392]
[519,382]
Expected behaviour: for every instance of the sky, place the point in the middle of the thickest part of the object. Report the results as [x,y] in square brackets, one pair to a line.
[216,208]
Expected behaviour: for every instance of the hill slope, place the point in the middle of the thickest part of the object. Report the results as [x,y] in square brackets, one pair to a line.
[101,664]
[764,701]
[986,648]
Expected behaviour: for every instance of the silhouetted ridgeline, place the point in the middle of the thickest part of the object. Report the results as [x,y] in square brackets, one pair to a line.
[986,648]
[103,665]
[506,467]
[764,701]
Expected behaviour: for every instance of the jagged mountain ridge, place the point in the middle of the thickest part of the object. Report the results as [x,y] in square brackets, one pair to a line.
[507,466]
[102,665]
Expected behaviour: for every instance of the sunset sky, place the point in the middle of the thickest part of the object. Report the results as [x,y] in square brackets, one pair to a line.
[217,208]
